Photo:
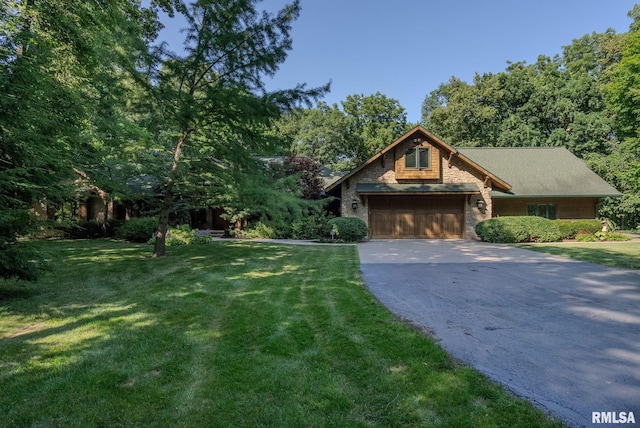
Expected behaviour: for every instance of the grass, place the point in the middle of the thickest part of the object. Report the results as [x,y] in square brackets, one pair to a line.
[618,254]
[230,334]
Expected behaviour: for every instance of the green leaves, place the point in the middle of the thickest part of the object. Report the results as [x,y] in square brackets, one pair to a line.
[342,139]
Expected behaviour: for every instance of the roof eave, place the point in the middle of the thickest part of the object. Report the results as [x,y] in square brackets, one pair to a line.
[501,195]
[389,148]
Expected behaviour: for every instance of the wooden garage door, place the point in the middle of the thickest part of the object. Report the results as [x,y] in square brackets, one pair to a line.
[435,217]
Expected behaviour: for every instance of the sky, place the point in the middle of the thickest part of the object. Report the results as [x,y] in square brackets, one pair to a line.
[405,49]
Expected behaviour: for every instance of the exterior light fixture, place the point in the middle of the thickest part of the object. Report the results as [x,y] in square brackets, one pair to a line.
[354,204]
[480,204]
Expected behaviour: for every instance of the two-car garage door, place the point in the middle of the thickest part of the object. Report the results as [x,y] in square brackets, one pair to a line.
[436,217]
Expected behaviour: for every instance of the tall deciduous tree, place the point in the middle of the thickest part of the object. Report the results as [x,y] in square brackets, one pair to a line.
[60,64]
[321,133]
[622,167]
[375,121]
[210,104]
[553,102]
[341,139]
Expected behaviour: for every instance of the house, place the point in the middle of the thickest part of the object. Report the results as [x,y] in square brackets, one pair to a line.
[421,187]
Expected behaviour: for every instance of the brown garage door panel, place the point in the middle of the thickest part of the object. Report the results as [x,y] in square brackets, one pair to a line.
[434,217]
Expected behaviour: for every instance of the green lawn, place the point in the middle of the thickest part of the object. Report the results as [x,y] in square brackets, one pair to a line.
[618,254]
[235,334]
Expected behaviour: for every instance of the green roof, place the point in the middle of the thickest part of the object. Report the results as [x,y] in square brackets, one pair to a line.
[540,172]
[423,189]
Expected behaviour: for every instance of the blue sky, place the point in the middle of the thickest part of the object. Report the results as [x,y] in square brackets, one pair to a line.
[405,49]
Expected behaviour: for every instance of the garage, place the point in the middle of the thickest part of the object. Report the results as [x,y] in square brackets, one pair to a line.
[417,216]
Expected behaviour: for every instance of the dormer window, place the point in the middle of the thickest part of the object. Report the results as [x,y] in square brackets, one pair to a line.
[417,158]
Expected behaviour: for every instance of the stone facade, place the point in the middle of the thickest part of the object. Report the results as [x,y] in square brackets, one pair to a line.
[382,170]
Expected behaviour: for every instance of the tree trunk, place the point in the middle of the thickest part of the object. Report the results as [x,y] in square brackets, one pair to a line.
[159,247]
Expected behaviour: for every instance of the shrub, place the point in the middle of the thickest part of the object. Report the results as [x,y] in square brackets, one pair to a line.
[91,229]
[258,230]
[611,236]
[314,226]
[138,229]
[349,229]
[184,235]
[586,237]
[514,229]
[570,228]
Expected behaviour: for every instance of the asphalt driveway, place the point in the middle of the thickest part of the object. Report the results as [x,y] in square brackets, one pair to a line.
[563,334]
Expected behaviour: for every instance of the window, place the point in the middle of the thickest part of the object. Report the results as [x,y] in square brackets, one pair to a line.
[549,211]
[417,158]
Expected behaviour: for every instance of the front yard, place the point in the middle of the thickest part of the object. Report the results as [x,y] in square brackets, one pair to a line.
[225,334]
[617,254]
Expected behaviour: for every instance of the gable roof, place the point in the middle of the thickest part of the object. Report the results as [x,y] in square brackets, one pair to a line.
[420,132]
[540,172]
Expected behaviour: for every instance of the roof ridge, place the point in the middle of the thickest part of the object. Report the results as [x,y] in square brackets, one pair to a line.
[518,148]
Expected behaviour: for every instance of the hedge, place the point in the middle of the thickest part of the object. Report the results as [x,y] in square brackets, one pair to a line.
[513,229]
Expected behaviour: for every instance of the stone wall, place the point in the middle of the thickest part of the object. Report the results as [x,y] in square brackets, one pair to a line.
[382,171]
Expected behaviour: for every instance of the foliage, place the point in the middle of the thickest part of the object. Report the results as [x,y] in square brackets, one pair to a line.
[586,237]
[375,121]
[623,88]
[184,235]
[208,107]
[17,259]
[314,226]
[342,139]
[585,100]
[513,229]
[611,236]
[262,231]
[349,229]
[570,228]
[320,133]
[271,199]
[543,104]
[63,86]
[138,229]
[91,229]
[308,173]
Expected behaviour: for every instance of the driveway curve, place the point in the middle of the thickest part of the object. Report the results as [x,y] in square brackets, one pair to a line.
[561,333]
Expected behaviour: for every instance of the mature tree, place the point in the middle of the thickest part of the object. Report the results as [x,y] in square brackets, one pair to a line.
[341,139]
[622,167]
[549,103]
[624,90]
[59,69]
[321,133]
[375,121]
[210,104]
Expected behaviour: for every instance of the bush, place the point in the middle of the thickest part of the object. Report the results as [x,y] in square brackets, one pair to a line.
[314,226]
[586,237]
[611,236]
[570,228]
[514,229]
[138,229]
[258,230]
[91,229]
[349,229]
[183,235]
